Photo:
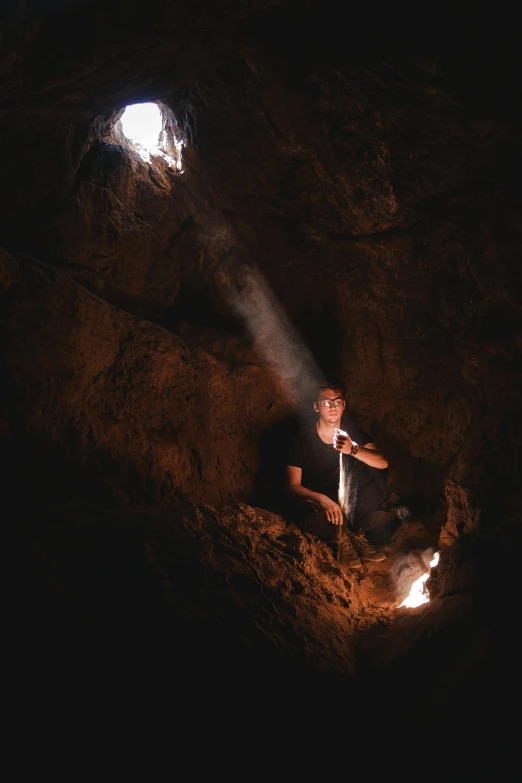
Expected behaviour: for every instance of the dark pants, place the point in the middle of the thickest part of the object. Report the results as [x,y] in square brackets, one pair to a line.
[310,518]
[368,500]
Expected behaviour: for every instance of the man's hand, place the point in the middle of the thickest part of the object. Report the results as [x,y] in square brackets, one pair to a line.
[332,510]
[369,453]
[342,442]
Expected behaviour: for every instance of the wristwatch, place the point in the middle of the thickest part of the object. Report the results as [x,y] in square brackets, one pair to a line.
[355,449]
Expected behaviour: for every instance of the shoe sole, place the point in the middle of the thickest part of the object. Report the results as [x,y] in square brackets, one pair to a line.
[351,565]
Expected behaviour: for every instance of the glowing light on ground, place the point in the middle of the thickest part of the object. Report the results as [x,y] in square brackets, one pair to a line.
[142,124]
[418,594]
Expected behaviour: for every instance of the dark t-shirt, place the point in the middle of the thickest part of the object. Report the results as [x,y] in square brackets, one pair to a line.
[321,463]
[318,460]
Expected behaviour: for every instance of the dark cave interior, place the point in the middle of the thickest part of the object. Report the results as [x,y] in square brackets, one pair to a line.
[342,207]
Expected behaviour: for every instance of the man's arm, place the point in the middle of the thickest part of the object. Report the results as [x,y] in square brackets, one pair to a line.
[369,453]
[331,509]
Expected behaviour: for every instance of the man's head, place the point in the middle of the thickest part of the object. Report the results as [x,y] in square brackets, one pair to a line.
[330,401]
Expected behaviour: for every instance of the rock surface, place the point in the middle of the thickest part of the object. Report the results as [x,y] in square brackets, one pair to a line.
[135,409]
[346,209]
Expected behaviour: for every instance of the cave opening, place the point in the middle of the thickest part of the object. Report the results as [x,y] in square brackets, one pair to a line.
[151,128]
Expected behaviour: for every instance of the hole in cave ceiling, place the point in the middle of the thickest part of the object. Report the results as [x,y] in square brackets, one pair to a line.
[151,129]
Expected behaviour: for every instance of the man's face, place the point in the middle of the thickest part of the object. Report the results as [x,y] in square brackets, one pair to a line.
[330,407]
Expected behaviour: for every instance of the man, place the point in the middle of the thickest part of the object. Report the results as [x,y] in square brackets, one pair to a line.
[313,478]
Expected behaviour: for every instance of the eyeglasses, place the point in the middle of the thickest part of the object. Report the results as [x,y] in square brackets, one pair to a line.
[328,403]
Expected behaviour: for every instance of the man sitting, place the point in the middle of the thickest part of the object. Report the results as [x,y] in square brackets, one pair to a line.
[313,478]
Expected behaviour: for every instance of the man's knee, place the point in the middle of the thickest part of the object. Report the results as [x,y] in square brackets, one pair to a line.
[311,519]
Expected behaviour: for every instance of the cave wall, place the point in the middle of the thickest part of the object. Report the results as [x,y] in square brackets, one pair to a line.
[374,200]
[124,401]
[368,196]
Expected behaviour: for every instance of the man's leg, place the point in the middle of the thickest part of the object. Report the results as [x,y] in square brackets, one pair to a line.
[313,520]
[368,501]
[310,518]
